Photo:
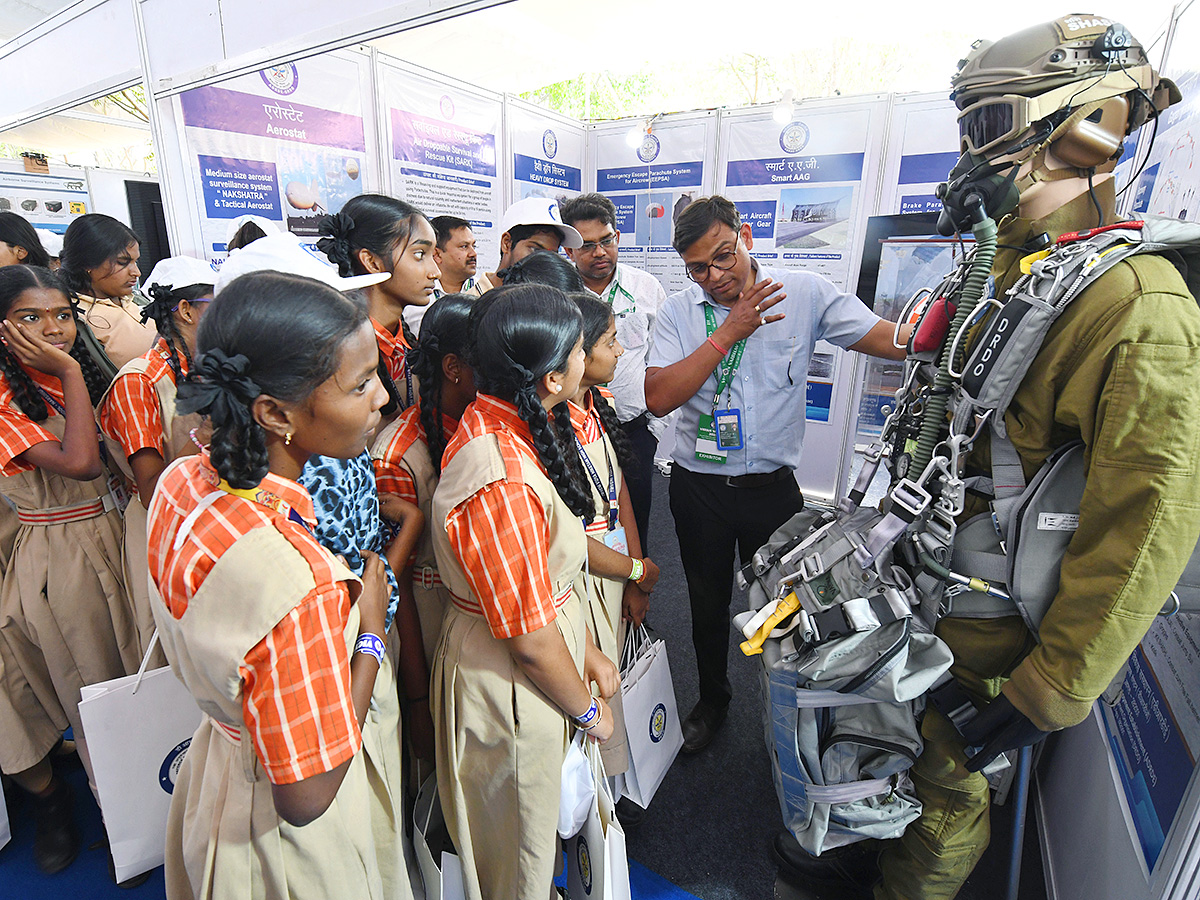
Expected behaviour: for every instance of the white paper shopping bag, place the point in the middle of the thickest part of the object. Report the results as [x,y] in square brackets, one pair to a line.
[442,874]
[137,734]
[597,865]
[651,717]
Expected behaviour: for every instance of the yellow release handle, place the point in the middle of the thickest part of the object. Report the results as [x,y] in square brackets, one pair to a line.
[787,606]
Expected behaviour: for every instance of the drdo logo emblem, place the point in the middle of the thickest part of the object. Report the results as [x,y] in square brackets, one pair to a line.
[283,80]
[549,143]
[584,857]
[168,772]
[658,723]
[648,150]
[794,137]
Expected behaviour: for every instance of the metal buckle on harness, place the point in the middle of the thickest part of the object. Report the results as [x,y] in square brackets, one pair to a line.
[811,567]
[911,497]
[966,326]
[941,525]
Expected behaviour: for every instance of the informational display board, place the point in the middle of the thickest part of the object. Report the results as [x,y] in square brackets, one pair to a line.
[807,187]
[288,143]
[651,181]
[47,201]
[546,152]
[922,148]
[1169,185]
[445,146]
[1154,729]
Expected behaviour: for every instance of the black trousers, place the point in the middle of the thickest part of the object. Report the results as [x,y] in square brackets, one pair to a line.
[638,476]
[711,520]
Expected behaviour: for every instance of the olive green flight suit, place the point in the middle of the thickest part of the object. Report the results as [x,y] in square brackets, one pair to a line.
[1121,371]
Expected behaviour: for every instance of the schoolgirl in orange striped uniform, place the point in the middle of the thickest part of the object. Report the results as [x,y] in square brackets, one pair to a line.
[65,619]
[278,641]
[374,233]
[137,414]
[512,667]
[408,462]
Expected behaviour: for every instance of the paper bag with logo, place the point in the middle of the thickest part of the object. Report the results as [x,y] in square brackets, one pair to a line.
[440,867]
[138,728]
[597,866]
[651,716]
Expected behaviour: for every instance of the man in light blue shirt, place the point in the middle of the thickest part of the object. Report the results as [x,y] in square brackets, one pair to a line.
[731,353]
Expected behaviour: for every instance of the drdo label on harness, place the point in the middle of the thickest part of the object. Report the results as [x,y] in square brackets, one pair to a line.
[1050,521]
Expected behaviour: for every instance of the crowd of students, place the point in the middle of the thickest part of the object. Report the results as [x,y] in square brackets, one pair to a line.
[334,528]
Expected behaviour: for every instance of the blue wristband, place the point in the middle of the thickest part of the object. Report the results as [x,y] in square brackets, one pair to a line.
[589,718]
[372,645]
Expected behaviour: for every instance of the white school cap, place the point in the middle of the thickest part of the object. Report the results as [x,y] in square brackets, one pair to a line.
[285,253]
[540,211]
[181,271]
[51,241]
[266,225]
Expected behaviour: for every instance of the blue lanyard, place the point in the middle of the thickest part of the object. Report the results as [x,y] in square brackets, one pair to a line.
[595,476]
[58,408]
[408,385]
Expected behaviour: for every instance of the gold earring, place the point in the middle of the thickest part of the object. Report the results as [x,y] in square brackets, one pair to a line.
[287,439]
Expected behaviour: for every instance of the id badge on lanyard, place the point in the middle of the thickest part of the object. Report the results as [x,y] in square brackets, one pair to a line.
[720,430]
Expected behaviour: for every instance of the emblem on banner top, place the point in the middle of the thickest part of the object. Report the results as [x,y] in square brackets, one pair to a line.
[168,773]
[549,143]
[794,137]
[281,79]
[585,863]
[648,150]
[446,107]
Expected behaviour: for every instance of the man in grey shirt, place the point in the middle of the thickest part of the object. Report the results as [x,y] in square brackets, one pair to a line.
[731,353]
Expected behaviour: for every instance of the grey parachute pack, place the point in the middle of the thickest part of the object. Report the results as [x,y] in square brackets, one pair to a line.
[843,602]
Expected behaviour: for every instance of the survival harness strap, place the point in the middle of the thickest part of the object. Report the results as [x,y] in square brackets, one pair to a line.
[1022,542]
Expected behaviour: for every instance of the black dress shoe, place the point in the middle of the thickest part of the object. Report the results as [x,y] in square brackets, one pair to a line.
[853,868]
[701,726]
[629,814]
[56,840]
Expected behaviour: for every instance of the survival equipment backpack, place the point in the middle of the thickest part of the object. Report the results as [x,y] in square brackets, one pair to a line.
[843,602]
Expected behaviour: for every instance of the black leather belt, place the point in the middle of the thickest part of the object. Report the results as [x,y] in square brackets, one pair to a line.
[758,479]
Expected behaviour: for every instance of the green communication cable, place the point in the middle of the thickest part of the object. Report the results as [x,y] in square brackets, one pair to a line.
[984,230]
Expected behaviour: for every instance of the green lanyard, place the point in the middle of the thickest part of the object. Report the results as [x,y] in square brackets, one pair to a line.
[730,364]
[612,296]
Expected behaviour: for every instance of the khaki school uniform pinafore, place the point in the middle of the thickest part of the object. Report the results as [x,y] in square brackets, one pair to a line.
[65,617]
[602,599]
[178,443]
[500,741]
[225,840]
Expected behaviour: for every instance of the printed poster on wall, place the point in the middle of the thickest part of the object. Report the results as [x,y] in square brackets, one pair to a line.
[1169,185]
[287,143]
[547,153]
[651,182]
[45,201]
[922,148]
[443,146]
[1154,728]
[806,188]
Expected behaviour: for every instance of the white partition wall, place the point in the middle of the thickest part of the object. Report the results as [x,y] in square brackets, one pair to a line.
[444,146]
[289,143]
[922,148]
[546,152]
[806,187]
[651,177]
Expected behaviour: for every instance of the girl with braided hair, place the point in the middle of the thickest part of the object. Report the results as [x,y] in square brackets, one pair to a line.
[137,414]
[615,589]
[290,787]
[100,267]
[512,668]
[408,462]
[374,233]
[65,619]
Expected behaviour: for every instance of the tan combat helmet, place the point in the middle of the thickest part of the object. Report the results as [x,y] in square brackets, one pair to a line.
[1076,86]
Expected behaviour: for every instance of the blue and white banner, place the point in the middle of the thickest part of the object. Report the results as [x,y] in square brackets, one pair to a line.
[651,177]
[445,150]
[46,201]
[547,152]
[922,148]
[802,184]
[289,143]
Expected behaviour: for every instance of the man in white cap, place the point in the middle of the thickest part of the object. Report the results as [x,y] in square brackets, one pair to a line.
[532,224]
